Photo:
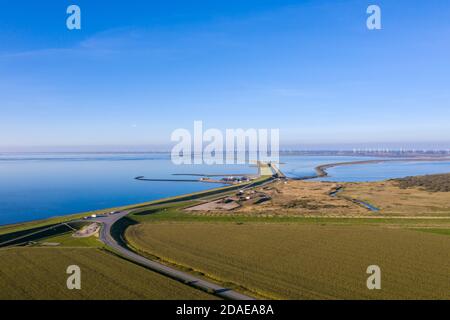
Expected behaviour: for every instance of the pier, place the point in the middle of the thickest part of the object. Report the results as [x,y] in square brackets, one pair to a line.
[264,170]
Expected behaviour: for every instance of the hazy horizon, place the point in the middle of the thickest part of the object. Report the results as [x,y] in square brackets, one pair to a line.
[369,147]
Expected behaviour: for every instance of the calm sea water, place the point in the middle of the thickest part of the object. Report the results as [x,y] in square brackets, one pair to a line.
[36,186]
[382,171]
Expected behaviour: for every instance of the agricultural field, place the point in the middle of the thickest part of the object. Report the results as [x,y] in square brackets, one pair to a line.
[394,200]
[304,260]
[40,273]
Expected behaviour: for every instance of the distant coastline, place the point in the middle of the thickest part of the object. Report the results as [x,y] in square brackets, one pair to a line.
[321,171]
[305,152]
[151,192]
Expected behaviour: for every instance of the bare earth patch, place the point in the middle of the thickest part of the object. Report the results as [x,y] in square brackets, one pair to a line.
[294,198]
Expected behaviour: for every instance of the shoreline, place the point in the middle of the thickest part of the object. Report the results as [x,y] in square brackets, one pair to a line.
[161,201]
[320,172]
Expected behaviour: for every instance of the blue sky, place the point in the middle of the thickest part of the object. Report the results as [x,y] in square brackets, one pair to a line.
[140,69]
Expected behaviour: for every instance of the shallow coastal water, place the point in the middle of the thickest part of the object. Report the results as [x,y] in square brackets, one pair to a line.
[385,170]
[44,185]
[295,166]
[36,186]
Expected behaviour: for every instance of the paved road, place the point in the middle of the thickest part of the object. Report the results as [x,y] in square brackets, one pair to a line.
[105,236]
[278,172]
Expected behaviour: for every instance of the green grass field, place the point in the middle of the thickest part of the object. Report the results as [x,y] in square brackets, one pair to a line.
[265,255]
[304,261]
[40,273]
[67,240]
[174,213]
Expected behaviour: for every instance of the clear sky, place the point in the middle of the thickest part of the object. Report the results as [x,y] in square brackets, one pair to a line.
[137,70]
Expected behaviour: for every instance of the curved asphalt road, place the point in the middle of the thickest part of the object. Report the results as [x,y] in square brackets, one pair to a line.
[105,237]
